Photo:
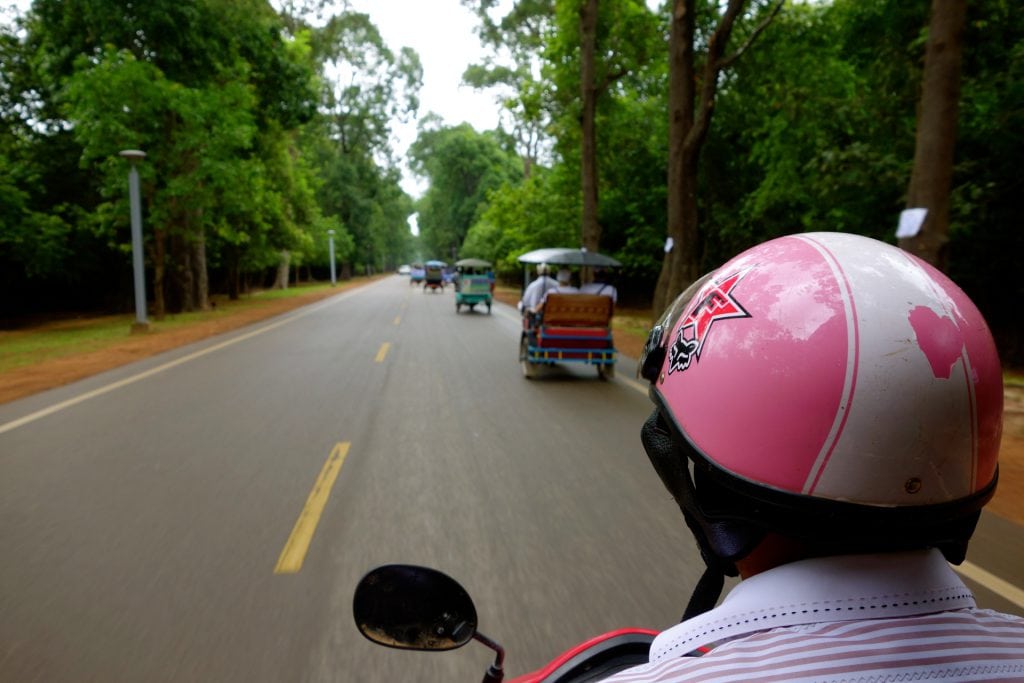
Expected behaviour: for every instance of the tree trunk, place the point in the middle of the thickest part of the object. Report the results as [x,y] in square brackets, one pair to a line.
[681,96]
[200,277]
[932,175]
[690,115]
[281,282]
[182,294]
[159,257]
[234,284]
[591,229]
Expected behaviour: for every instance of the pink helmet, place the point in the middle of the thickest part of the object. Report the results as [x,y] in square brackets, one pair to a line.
[832,384]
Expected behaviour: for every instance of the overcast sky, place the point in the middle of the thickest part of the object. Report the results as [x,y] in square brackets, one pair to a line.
[441,32]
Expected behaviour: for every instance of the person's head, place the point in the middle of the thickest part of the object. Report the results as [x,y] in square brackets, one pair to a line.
[829,389]
[542,269]
[564,276]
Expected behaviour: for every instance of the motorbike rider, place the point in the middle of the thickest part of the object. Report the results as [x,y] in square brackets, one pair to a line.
[828,417]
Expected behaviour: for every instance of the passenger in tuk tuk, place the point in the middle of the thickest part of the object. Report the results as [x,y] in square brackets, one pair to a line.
[601,285]
[535,290]
[564,286]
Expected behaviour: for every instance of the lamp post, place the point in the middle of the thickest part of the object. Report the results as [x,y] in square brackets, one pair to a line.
[134,156]
[330,238]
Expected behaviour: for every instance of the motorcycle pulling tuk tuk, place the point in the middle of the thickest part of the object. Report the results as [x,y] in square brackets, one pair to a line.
[474,284]
[568,328]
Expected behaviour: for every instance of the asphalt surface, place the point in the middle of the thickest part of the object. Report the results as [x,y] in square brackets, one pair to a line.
[146,513]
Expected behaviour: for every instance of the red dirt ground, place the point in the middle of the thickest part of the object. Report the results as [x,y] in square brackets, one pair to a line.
[1008,501]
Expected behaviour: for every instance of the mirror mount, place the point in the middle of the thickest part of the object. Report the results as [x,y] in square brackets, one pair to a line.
[418,608]
[495,672]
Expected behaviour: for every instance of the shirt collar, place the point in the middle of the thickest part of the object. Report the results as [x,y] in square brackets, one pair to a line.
[829,589]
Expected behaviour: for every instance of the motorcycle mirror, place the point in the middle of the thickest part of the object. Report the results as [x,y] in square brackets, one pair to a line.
[413,608]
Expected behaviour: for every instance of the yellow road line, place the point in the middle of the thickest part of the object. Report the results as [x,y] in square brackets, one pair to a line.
[290,561]
[398,320]
[383,352]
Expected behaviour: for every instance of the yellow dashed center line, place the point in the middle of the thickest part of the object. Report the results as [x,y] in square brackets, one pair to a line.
[383,352]
[290,561]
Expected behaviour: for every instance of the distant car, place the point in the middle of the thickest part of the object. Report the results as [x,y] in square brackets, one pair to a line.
[404,269]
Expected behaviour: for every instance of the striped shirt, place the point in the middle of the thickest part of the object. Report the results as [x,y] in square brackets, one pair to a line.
[856,619]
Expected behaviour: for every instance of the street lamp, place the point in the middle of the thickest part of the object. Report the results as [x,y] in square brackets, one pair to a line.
[330,238]
[134,156]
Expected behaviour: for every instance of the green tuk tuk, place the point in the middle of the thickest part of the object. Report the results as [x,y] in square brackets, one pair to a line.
[474,283]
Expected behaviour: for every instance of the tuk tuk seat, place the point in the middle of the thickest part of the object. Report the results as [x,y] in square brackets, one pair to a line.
[577,310]
[576,322]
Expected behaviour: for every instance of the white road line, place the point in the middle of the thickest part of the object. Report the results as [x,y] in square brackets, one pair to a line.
[1000,587]
[57,407]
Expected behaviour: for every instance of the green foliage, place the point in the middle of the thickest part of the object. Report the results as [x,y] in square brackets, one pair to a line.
[239,158]
[811,138]
[463,166]
[541,212]
[986,240]
[263,133]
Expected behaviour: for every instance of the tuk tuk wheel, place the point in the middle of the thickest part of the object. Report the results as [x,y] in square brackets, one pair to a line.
[458,307]
[606,371]
[488,308]
[472,306]
[529,369]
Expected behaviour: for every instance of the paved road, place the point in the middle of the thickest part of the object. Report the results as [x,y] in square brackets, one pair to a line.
[152,523]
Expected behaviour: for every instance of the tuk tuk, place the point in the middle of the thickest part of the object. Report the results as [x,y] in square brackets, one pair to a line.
[417,274]
[474,283]
[568,328]
[434,275]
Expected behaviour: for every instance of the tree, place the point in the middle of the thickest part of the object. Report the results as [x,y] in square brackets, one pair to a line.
[932,175]
[518,39]
[463,167]
[822,144]
[366,88]
[519,217]
[203,87]
[590,231]
[599,45]
[691,105]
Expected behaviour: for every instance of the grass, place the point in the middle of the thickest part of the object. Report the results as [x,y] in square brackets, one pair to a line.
[72,336]
[21,348]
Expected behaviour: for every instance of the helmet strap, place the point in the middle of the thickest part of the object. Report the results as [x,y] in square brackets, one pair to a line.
[705,594]
[720,542]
